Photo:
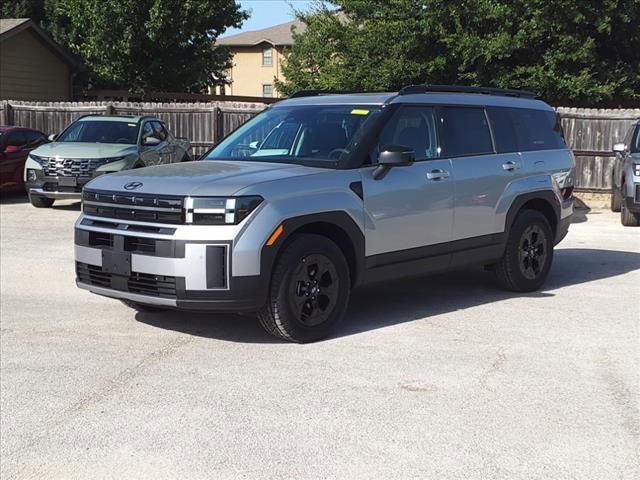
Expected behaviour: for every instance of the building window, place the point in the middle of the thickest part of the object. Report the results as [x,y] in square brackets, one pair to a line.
[267,90]
[267,57]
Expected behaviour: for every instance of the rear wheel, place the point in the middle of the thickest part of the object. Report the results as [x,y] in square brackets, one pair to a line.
[41,202]
[309,290]
[627,218]
[141,307]
[528,254]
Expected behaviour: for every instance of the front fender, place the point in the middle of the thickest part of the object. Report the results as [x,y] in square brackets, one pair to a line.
[125,164]
[341,208]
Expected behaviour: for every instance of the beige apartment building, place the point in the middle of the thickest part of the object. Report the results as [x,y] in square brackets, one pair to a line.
[257,59]
[32,65]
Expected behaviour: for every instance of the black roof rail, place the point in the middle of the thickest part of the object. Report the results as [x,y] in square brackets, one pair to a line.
[317,93]
[502,92]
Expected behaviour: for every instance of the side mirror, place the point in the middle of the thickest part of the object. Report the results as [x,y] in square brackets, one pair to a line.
[52,137]
[393,156]
[11,148]
[151,141]
[619,147]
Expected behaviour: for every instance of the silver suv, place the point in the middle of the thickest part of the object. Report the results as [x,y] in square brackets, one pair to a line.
[625,193]
[320,194]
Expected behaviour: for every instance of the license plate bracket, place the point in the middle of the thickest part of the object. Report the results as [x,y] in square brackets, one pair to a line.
[116,263]
[68,181]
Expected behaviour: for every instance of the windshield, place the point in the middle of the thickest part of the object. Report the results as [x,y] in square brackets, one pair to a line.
[319,135]
[101,131]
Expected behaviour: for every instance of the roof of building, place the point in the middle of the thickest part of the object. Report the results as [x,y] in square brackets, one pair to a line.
[12,26]
[278,35]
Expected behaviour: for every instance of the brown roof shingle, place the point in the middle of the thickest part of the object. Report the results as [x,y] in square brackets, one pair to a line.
[278,35]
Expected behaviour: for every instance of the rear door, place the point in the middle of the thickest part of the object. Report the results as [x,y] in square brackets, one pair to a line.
[482,174]
[411,206]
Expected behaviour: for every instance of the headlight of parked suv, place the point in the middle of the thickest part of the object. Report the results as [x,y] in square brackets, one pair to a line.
[636,169]
[220,211]
[38,159]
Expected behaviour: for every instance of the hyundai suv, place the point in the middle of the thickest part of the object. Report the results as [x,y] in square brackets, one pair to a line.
[625,181]
[95,145]
[320,194]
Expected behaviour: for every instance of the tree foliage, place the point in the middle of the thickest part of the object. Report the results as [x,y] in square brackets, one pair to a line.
[579,52]
[141,45]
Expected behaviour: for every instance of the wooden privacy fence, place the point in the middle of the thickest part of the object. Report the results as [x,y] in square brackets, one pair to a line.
[590,133]
[202,123]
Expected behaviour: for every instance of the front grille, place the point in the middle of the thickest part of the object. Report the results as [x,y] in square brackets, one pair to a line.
[130,206]
[55,187]
[72,167]
[139,283]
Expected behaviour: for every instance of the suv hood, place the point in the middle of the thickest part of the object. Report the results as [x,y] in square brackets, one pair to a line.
[84,150]
[200,178]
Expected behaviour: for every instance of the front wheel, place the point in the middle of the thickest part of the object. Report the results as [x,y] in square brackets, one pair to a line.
[627,218]
[309,290]
[528,254]
[41,202]
[616,199]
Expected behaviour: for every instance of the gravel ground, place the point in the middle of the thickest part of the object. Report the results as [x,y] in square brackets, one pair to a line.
[442,377]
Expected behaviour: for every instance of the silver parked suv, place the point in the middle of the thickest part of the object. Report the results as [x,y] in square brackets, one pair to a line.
[625,192]
[320,194]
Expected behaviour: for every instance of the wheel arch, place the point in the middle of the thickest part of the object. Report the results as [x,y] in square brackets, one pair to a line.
[338,227]
[544,201]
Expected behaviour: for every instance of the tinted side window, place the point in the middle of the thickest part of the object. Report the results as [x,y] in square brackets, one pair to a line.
[504,132]
[464,131]
[147,131]
[34,138]
[411,127]
[635,141]
[536,129]
[160,131]
[16,139]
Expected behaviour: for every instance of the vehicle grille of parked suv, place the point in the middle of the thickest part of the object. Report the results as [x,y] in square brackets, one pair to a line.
[129,206]
[140,283]
[72,167]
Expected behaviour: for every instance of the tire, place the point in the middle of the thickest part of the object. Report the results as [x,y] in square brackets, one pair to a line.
[528,254]
[627,218]
[616,199]
[141,307]
[41,202]
[297,309]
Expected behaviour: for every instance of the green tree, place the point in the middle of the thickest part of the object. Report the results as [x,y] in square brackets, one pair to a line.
[33,9]
[578,52]
[140,45]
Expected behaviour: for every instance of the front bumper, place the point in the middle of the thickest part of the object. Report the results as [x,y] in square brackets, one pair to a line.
[632,203]
[156,266]
[57,187]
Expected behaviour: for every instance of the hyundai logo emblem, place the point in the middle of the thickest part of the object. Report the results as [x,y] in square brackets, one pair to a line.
[132,185]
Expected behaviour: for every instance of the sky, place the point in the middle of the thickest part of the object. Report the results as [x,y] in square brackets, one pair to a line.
[267,13]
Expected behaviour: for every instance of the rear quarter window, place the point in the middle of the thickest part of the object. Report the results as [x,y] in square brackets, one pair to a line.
[464,131]
[536,129]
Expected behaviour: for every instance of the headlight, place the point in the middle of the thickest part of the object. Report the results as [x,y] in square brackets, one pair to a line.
[40,160]
[220,210]
[636,169]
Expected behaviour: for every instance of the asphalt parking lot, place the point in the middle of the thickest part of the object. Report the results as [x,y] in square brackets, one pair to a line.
[442,377]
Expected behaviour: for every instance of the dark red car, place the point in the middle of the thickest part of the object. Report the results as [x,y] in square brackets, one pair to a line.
[15,145]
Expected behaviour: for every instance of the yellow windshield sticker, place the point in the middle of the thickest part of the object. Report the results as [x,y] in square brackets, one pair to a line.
[359,112]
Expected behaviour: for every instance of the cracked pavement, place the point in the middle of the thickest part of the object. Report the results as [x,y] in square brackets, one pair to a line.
[444,377]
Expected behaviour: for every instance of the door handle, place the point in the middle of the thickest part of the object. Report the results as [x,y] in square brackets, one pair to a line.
[510,165]
[437,174]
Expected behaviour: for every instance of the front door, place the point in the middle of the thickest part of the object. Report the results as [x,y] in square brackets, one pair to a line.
[412,206]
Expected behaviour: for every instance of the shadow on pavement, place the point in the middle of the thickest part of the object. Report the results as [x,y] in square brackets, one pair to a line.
[403,301]
[13,198]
